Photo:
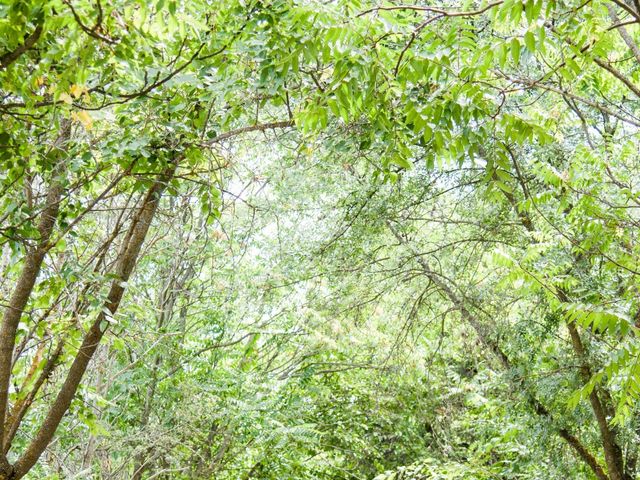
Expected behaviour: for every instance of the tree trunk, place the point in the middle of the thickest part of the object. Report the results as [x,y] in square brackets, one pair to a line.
[26,282]
[582,452]
[127,260]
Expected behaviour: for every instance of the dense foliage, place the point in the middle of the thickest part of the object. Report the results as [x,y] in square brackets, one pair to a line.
[304,239]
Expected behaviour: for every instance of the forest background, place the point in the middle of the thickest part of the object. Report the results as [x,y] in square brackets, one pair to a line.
[300,239]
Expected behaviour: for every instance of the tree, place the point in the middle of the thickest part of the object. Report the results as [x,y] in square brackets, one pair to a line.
[474,164]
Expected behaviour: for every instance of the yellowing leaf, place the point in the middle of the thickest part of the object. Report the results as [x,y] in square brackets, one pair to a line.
[77,90]
[84,118]
[66,98]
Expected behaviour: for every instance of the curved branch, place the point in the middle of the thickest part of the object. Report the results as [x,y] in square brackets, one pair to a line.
[29,41]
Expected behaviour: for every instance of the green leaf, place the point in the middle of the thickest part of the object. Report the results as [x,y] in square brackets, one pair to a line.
[402,162]
[530,41]
[515,50]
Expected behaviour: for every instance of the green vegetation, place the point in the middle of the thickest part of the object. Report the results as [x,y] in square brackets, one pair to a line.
[304,239]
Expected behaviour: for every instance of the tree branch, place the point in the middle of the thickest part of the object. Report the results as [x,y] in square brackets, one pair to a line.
[28,43]
[26,281]
[127,260]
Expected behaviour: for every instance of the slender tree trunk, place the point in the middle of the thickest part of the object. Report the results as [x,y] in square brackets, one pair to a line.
[174,281]
[102,388]
[24,286]
[20,408]
[127,260]
[484,336]
[612,450]
[141,462]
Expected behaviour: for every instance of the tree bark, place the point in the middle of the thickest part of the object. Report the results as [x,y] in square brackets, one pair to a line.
[28,43]
[127,260]
[20,408]
[24,286]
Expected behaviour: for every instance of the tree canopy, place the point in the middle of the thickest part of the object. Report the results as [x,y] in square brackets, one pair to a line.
[304,239]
